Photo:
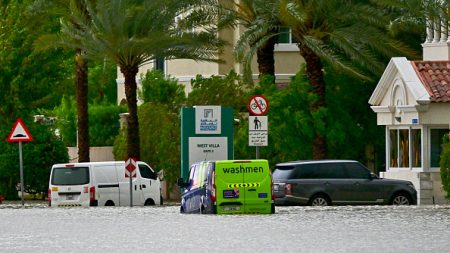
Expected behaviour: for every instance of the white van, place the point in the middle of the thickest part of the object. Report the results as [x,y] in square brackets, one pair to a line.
[102,184]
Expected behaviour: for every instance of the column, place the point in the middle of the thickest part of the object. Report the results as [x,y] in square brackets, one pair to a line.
[444,30]
[437,30]
[429,24]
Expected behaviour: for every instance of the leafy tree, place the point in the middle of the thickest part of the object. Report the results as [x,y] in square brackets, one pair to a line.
[262,23]
[36,166]
[65,121]
[229,91]
[102,82]
[157,88]
[104,124]
[26,83]
[66,9]
[104,120]
[349,36]
[132,33]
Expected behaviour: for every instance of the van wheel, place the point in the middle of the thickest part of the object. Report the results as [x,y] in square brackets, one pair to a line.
[109,203]
[161,200]
[401,199]
[319,200]
[149,202]
[272,208]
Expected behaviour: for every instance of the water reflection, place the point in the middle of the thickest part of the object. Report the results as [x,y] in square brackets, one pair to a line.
[38,228]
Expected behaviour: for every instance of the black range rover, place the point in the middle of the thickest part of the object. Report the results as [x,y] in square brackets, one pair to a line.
[337,182]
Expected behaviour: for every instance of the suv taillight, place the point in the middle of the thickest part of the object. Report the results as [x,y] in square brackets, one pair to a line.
[288,189]
[92,201]
[49,196]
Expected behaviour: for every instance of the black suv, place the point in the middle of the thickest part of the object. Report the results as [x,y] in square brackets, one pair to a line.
[337,182]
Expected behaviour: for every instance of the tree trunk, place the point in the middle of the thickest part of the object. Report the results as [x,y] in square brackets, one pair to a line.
[315,76]
[82,107]
[265,58]
[133,141]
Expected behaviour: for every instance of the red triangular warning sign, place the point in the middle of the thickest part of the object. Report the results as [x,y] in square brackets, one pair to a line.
[19,133]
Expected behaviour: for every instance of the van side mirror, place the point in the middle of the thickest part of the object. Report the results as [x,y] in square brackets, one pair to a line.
[181,183]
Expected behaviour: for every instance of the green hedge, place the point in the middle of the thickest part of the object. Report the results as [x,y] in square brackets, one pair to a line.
[445,164]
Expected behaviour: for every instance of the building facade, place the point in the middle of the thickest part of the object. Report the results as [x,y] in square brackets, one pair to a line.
[412,101]
[287,63]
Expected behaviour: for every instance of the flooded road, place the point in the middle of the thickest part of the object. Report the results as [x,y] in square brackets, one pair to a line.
[37,228]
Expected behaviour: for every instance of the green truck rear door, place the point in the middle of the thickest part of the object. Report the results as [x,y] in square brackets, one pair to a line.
[243,186]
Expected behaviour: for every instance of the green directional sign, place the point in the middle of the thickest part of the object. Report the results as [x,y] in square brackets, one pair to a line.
[206,134]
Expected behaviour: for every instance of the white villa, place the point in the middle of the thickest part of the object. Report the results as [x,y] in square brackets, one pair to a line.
[412,100]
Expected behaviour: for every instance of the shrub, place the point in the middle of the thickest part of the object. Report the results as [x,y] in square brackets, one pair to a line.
[445,164]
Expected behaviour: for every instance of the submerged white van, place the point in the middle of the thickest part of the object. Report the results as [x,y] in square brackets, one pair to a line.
[102,184]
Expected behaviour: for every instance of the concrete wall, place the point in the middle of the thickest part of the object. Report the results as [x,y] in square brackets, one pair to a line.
[96,154]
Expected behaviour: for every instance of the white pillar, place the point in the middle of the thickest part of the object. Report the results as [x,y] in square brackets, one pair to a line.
[444,30]
[429,24]
[437,30]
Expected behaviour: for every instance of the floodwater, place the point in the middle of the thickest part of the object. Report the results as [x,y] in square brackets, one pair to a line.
[38,228]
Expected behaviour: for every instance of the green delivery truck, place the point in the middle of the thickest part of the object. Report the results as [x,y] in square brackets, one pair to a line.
[228,187]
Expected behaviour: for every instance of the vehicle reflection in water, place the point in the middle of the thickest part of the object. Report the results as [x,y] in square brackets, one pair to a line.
[37,228]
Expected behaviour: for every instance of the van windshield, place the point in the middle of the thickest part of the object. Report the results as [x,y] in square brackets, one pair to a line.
[283,172]
[70,176]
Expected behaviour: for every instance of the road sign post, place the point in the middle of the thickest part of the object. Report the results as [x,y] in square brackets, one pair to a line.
[19,133]
[257,106]
[130,171]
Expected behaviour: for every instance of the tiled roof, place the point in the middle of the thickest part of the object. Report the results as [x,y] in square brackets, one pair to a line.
[435,75]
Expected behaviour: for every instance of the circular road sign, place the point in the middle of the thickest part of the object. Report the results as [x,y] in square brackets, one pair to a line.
[258,105]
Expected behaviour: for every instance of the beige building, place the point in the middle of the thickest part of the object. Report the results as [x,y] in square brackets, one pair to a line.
[287,63]
[412,100]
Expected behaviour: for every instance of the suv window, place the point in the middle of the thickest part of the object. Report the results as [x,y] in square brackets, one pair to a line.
[284,172]
[321,170]
[146,172]
[332,170]
[307,171]
[356,170]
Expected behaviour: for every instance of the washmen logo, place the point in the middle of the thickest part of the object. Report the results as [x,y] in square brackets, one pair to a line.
[242,169]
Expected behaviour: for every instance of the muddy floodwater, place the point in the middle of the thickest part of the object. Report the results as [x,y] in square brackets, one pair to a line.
[38,228]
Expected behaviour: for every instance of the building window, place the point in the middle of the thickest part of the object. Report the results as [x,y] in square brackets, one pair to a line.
[403,145]
[436,137]
[159,64]
[393,139]
[416,142]
[285,36]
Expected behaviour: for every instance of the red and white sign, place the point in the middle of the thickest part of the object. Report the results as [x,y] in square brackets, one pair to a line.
[19,133]
[258,105]
[130,167]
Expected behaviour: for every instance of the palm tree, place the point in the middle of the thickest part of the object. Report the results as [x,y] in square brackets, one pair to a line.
[349,36]
[260,19]
[134,32]
[65,9]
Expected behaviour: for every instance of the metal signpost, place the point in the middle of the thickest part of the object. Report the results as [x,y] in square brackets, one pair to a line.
[130,171]
[258,106]
[19,133]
